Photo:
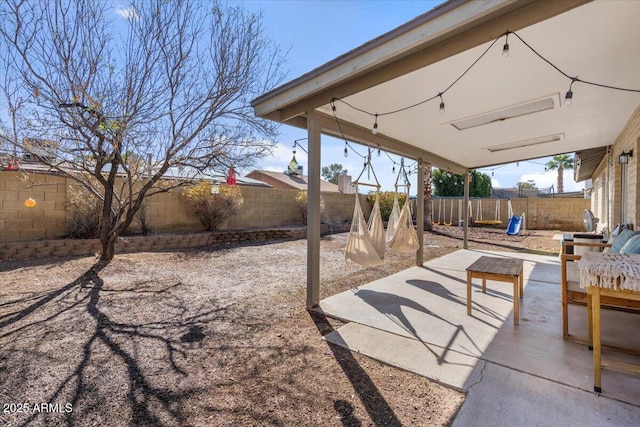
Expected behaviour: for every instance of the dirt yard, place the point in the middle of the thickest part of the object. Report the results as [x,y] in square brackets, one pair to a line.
[206,337]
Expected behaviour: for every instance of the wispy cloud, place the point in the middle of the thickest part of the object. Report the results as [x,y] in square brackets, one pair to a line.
[128,12]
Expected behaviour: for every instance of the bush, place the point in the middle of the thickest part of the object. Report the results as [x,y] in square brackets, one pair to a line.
[143,219]
[301,198]
[213,209]
[84,221]
[386,202]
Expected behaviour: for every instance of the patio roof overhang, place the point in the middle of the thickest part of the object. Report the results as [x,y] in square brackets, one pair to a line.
[595,41]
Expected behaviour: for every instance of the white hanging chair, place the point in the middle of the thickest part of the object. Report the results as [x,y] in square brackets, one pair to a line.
[404,238]
[366,242]
[393,218]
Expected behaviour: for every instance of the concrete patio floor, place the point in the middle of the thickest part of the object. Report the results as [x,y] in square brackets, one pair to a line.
[522,374]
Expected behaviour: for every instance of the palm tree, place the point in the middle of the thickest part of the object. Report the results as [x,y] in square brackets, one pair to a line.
[560,162]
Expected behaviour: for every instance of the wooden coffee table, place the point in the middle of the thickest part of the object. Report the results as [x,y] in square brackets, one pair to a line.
[502,270]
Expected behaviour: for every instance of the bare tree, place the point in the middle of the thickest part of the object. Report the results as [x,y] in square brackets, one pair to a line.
[132,95]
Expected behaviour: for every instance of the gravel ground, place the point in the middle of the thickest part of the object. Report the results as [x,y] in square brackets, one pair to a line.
[206,337]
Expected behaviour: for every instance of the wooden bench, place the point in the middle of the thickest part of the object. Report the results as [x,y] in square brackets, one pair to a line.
[572,293]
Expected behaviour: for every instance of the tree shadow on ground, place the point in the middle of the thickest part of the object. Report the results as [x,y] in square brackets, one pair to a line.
[87,324]
[375,404]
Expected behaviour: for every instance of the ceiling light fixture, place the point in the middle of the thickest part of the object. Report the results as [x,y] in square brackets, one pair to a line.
[527,142]
[530,107]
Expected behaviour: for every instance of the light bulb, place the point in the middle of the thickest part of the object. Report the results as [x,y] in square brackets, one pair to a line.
[379,152]
[568,98]
[346,153]
[375,126]
[505,50]
[393,170]
[441,107]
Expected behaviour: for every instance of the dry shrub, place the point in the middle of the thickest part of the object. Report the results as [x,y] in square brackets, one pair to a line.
[142,218]
[301,199]
[213,209]
[386,202]
[84,220]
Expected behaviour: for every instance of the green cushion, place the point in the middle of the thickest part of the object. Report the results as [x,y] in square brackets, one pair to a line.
[632,246]
[621,240]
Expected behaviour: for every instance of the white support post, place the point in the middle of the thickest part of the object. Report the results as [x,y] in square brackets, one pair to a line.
[465,239]
[313,213]
[420,213]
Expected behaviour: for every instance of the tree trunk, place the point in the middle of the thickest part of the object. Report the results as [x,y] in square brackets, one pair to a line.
[428,197]
[560,179]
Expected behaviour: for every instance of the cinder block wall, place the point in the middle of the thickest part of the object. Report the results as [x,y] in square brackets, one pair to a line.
[542,214]
[166,212]
[45,220]
[608,179]
[271,207]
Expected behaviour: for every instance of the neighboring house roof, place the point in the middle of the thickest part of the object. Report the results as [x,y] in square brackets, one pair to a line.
[241,181]
[295,182]
[173,173]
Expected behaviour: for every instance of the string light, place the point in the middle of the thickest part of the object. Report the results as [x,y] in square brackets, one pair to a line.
[346,152]
[505,49]
[393,169]
[379,152]
[568,98]
[375,126]
[505,52]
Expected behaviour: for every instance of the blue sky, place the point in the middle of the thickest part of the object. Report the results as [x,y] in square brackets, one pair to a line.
[315,32]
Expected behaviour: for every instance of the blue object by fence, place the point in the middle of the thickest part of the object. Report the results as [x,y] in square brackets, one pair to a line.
[515,222]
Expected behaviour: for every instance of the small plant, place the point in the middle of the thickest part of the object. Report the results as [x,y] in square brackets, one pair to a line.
[386,202]
[213,209]
[301,199]
[84,221]
[143,219]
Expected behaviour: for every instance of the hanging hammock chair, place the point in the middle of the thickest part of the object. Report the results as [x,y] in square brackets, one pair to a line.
[394,218]
[366,242]
[404,238]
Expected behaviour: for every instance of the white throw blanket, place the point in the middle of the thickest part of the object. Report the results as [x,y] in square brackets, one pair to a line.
[610,270]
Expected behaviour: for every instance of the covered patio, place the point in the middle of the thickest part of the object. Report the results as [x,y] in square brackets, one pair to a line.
[416,320]
[467,85]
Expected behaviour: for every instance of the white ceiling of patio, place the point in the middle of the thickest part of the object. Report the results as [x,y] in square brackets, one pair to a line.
[597,42]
